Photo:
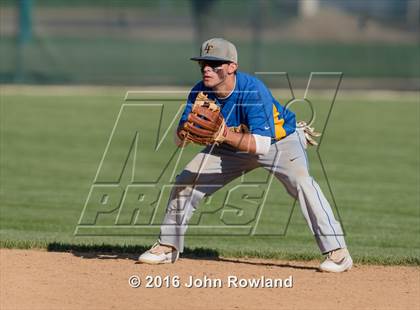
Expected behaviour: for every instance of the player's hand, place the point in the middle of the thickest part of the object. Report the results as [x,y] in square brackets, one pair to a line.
[309,133]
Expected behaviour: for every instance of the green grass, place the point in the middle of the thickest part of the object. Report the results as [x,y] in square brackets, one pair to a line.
[51,146]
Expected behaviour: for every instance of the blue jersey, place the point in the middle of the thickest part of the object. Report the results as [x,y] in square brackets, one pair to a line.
[251,104]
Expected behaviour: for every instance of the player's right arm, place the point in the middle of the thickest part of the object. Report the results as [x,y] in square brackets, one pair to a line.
[178,137]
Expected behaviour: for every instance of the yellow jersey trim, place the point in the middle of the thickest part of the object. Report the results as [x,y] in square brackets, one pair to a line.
[278,124]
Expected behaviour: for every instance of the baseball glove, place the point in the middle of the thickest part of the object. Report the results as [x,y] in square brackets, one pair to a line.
[205,124]
[309,133]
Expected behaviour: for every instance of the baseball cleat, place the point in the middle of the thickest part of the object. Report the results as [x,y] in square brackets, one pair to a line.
[337,261]
[158,256]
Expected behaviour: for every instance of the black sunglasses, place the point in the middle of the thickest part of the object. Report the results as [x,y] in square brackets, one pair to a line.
[213,64]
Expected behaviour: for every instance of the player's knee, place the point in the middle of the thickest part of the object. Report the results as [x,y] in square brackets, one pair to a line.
[301,172]
[299,180]
[179,197]
[300,175]
[185,178]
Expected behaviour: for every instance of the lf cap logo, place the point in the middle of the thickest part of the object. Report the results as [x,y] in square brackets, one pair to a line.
[208,48]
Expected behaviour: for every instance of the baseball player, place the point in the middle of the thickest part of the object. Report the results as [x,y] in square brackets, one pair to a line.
[243,127]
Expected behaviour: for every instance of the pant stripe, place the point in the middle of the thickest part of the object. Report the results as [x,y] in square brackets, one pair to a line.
[326,213]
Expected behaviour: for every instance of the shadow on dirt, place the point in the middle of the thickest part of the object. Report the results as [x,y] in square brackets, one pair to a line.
[293,265]
[132,252]
[106,251]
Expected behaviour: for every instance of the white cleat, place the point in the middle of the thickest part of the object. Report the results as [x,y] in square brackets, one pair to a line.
[337,261]
[156,255]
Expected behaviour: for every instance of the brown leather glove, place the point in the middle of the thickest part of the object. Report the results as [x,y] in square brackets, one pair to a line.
[205,124]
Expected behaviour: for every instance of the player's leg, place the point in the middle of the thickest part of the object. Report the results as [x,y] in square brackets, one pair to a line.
[287,160]
[209,171]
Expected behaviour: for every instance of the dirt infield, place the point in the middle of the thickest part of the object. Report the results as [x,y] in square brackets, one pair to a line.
[32,279]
